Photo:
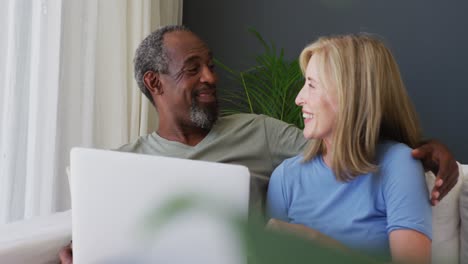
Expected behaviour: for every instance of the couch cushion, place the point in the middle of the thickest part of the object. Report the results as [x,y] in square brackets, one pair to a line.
[445,225]
[36,240]
[464,218]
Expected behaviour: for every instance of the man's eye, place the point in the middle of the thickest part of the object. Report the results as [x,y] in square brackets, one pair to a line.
[192,70]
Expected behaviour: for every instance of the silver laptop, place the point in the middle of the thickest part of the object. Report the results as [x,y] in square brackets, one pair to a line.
[133,208]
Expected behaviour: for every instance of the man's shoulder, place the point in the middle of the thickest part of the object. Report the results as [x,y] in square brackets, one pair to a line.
[237,121]
[245,118]
[241,117]
[137,146]
[127,147]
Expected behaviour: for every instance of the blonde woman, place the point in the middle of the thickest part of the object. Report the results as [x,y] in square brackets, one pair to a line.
[357,181]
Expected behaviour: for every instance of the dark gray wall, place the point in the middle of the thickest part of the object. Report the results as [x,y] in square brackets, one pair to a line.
[429,38]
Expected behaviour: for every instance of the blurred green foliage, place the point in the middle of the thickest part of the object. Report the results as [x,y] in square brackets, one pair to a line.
[261,246]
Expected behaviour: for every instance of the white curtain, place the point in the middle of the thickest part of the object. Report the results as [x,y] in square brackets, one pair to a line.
[67,80]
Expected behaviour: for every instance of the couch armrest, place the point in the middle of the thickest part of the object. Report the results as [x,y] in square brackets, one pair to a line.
[36,240]
[464,217]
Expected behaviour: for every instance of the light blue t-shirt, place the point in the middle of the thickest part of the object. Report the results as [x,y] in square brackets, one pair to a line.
[360,213]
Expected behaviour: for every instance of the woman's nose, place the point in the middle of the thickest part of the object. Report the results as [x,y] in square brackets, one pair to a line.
[299,98]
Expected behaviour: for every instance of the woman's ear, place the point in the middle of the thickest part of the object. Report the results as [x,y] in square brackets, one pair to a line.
[152,82]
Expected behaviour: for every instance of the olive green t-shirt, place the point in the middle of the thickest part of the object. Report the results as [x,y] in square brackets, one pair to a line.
[256,141]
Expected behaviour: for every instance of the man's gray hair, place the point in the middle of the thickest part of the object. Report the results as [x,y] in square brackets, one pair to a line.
[151,56]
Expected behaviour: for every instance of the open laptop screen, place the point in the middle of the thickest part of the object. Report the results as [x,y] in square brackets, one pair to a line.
[119,199]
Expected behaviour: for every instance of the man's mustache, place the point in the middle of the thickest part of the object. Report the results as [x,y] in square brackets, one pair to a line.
[204,89]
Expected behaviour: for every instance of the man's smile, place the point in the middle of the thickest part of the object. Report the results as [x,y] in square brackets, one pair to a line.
[206,95]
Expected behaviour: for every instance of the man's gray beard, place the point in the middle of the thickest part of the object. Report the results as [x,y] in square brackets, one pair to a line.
[203,117]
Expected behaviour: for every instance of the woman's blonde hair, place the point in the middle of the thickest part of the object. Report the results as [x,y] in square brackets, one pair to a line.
[372,101]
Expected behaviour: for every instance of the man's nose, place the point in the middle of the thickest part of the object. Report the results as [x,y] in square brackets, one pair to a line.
[208,75]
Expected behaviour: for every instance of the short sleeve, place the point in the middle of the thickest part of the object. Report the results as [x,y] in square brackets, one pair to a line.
[405,192]
[276,196]
[284,140]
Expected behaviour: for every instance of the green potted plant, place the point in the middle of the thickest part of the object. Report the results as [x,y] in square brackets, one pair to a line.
[269,87]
